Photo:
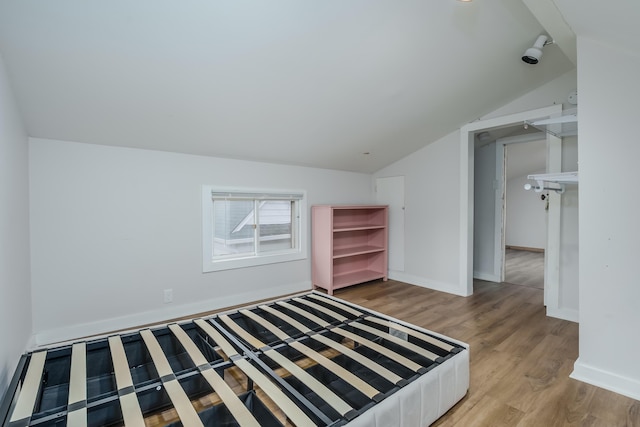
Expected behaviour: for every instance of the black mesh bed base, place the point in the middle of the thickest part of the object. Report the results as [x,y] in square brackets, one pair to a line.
[307,360]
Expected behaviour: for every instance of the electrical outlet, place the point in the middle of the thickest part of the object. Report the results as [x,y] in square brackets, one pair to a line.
[168,296]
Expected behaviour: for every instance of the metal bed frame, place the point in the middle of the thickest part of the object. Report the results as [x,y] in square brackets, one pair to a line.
[307,360]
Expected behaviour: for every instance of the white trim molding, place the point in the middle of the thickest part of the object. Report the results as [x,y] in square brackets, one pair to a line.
[605,379]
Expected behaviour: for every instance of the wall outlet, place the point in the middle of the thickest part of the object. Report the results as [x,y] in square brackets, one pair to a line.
[168,296]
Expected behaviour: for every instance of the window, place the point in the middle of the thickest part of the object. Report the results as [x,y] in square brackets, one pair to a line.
[242,228]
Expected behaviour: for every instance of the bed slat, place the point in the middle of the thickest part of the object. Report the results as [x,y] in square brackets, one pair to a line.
[364,387]
[30,387]
[290,409]
[182,404]
[406,344]
[422,336]
[229,398]
[357,338]
[365,361]
[322,309]
[217,337]
[77,418]
[380,349]
[78,377]
[320,389]
[304,313]
[335,303]
[129,404]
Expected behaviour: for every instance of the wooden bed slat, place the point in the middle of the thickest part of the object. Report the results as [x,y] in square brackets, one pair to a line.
[129,404]
[190,347]
[315,319]
[322,309]
[420,335]
[229,398]
[365,361]
[78,376]
[77,418]
[362,340]
[157,355]
[320,389]
[227,348]
[406,344]
[290,320]
[380,349]
[417,349]
[266,324]
[335,303]
[357,382]
[182,404]
[120,364]
[364,387]
[290,409]
[241,332]
[30,387]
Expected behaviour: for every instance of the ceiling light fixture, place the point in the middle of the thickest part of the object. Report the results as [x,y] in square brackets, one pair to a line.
[534,53]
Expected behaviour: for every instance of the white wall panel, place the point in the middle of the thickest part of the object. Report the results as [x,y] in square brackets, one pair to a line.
[609,206]
[15,287]
[114,227]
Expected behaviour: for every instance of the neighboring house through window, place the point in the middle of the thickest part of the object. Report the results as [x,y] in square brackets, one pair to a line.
[242,228]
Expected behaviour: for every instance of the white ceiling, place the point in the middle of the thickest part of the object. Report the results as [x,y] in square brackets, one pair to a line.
[314,83]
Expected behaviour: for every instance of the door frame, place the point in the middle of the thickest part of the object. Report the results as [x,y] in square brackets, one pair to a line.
[467,148]
[500,201]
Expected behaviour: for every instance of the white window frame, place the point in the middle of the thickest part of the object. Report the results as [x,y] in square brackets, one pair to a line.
[211,263]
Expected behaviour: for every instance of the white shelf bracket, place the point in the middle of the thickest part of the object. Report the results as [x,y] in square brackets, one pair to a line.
[556,178]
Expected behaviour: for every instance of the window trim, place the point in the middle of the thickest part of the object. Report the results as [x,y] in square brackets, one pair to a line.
[209,264]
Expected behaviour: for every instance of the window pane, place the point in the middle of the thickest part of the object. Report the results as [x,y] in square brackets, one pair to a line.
[275,218]
[233,227]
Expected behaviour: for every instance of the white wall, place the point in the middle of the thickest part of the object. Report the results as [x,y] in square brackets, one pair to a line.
[15,288]
[526,216]
[569,225]
[609,211]
[113,227]
[484,212]
[432,194]
[431,214]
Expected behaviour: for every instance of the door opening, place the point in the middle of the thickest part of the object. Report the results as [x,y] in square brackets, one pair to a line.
[525,213]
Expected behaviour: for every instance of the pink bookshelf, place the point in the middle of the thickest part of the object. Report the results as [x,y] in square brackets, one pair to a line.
[349,245]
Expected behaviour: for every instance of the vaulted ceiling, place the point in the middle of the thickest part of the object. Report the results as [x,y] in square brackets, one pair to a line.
[315,83]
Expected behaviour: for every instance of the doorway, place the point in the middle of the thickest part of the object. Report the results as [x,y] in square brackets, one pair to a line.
[525,221]
[467,186]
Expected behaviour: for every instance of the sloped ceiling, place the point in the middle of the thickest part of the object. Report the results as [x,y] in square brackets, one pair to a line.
[315,83]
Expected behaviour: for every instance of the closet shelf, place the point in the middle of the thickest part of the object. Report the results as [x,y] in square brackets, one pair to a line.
[564,125]
[560,178]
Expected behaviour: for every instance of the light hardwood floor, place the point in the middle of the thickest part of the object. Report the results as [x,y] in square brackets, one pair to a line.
[520,358]
[524,268]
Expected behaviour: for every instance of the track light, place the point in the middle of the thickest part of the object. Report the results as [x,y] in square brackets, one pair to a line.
[534,53]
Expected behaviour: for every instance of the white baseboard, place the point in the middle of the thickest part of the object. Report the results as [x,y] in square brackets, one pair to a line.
[158,316]
[564,314]
[489,277]
[605,379]
[426,283]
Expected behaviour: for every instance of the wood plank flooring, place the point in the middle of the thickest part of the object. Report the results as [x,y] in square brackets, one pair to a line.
[520,358]
[524,268]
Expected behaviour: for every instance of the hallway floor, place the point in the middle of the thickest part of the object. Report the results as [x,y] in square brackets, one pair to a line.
[524,268]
